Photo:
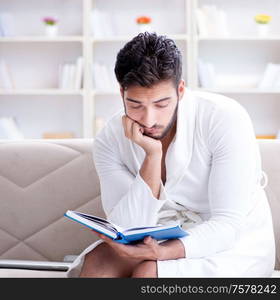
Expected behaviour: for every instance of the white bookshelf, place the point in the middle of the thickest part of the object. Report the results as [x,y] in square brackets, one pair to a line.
[41,92]
[243,55]
[171,18]
[40,106]
[19,39]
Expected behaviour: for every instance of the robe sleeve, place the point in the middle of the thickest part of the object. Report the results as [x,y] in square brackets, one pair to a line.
[233,178]
[127,200]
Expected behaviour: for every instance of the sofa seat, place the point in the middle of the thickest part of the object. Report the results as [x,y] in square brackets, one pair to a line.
[30,268]
[41,179]
[20,273]
[24,273]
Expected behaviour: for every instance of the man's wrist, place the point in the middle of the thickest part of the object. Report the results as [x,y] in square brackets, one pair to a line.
[154,155]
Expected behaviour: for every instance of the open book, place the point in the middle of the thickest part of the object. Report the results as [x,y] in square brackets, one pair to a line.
[126,235]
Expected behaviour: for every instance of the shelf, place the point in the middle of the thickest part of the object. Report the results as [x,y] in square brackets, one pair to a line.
[105,93]
[214,90]
[239,38]
[125,38]
[17,39]
[248,54]
[49,92]
[240,91]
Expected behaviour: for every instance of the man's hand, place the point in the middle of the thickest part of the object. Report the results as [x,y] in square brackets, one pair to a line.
[149,249]
[151,168]
[134,132]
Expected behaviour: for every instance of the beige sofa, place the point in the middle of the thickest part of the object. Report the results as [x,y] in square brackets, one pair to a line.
[41,179]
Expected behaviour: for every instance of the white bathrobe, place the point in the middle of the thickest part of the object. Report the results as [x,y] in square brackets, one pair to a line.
[214,188]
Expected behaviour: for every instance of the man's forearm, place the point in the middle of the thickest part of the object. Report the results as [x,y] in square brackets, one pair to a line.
[151,172]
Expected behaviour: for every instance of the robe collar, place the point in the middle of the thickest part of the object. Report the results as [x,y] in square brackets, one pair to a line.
[180,150]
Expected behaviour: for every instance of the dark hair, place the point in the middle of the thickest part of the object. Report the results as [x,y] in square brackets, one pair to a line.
[148,59]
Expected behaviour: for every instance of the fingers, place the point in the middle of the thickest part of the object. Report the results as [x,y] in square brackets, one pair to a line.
[124,123]
[136,132]
[148,240]
[110,241]
[105,238]
[127,124]
[131,128]
[102,236]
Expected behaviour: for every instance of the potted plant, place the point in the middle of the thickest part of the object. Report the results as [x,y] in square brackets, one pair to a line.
[50,26]
[144,23]
[263,24]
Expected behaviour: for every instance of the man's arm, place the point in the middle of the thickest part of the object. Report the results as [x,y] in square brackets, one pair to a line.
[151,168]
[151,172]
[126,195]
[233,179]
[138,197]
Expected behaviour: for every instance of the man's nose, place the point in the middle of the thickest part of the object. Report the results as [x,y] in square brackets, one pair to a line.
[148,119]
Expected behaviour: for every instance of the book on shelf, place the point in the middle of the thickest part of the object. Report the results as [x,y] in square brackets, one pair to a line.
[63,76]
[70,75]
[6,81]
[7,24]
[79,73]
[211,21]
[126,235]
[270,77]
[209,78]
[58,135]
[104,77]
[206,74]
[266,136]
[9,129]
[239,81]
[1,29]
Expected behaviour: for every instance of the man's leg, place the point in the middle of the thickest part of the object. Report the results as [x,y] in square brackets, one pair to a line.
[145,269]
[103,261]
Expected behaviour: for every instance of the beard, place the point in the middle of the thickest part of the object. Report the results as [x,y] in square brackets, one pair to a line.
[168,127]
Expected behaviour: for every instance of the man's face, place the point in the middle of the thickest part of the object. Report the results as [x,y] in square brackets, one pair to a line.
[154,108]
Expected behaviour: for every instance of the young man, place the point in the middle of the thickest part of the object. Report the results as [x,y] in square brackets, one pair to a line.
[176,155]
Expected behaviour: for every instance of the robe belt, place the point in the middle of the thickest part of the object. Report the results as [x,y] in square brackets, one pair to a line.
[173,212]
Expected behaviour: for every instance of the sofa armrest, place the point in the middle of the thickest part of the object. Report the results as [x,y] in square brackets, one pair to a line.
[34,265]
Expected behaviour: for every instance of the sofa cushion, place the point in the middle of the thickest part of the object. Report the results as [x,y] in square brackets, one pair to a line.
[21,273]
[39,181]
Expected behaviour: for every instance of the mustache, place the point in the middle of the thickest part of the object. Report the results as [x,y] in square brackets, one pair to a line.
[144,127]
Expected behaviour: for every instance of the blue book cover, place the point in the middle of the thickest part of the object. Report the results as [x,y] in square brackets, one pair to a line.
[129,235]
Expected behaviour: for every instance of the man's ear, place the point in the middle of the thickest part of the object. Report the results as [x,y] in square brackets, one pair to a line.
[181,89]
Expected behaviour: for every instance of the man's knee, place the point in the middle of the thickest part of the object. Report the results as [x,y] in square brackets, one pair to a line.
[102,249]
[145,269]
[98,262]
[103,261]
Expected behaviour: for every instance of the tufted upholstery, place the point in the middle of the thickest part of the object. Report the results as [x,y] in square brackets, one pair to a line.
[41,179]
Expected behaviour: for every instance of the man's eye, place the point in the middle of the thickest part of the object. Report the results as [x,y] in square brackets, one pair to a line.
[135,107]
[162,106]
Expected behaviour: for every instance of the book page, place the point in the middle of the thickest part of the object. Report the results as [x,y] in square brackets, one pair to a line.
[101,221]
[134,230]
